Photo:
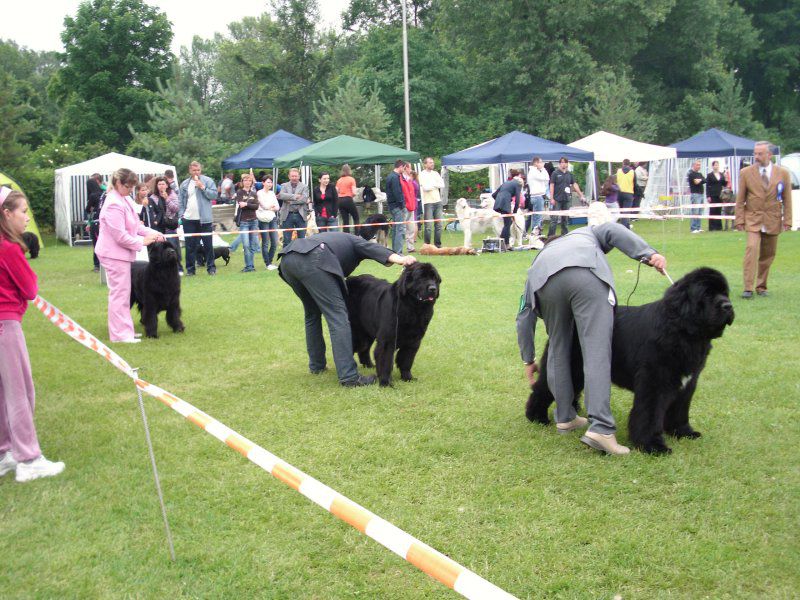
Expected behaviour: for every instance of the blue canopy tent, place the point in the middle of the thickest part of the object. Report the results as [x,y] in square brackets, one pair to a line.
[713,143]
[513,147]
[262,154]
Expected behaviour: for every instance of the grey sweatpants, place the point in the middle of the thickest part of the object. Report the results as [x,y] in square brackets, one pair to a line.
[575,298]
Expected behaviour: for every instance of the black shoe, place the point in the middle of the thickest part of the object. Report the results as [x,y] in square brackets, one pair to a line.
[317,371]
[747,294]
[212,273]
[359,381]
[190,273]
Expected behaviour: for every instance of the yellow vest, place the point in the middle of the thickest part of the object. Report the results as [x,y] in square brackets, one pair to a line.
[625,181]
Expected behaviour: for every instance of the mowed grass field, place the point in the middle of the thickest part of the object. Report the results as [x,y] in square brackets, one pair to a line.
[449,458]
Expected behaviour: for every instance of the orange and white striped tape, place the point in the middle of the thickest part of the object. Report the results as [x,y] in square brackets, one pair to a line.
[434,563]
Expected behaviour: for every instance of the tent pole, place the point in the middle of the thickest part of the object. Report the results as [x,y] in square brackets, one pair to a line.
[405,77]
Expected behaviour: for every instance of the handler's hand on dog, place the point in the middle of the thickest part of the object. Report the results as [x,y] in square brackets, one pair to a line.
[402,260]
[149,239]
[658,262]
[530,372]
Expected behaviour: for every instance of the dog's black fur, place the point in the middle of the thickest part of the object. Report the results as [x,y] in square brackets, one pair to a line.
[658,352]
[222,252]
[156,286]
[394,315]
[374,224]
[32,242]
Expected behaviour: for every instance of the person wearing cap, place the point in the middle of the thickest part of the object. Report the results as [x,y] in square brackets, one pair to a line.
[570,285]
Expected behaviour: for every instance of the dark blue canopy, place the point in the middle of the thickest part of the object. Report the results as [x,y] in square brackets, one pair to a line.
[713,143]
[263,152]
[515,147]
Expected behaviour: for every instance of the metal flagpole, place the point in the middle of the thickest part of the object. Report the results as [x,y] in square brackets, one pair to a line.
[405,78]
[155,469]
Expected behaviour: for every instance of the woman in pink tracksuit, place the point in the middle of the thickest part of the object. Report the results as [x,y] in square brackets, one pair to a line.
[121,236]
[19,445]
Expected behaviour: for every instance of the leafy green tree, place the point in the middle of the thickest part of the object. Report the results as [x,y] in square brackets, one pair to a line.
[351,111]
[16,121]
[613,104]
[115,52]
[196,69]
[179,131]
[363,15]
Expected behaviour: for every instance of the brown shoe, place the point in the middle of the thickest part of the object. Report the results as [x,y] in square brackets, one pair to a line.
[604,443]
[576,423]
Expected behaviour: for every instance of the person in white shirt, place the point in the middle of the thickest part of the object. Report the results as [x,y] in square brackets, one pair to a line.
[538,183]
[431,185]
[267,215]
[227,191]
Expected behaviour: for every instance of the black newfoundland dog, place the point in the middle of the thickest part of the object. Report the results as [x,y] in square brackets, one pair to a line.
[156,286]
[394,315]
[658,352]
[32,242]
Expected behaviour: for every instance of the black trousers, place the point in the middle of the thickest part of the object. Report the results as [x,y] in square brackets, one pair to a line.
[347,209]
[714,224]
[193,244]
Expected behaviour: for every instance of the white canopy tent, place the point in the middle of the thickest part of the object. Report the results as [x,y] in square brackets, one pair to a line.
[70,187]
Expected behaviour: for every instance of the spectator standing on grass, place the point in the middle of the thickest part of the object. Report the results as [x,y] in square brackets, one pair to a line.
[94,192]
[715,183]
[294,206]
[326,203]
[505,202]
[626,181]
[141,192]
[764,211]
[410,212]
[346,190]
[169,174]
[562,183]
[196,194]
[418,210]
[315,268]
[19,444]
[431,185]
[246,205]
[267,215]
[169,220]
[641,176]
[571,286]
[610,190]
[396,203]
[538,180]
[698,197]
[122,235]
[227,191]
[154,206]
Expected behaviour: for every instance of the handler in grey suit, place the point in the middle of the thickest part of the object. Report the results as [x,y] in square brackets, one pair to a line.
[315,268]
[571,286]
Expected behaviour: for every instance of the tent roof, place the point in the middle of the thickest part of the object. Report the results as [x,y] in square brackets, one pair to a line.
[515,146]
[608,147]
[108,163]
[262,153]
[345,149]
[713,143]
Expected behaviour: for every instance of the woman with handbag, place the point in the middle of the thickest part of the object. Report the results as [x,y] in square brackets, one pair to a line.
[246,221]
[267,215]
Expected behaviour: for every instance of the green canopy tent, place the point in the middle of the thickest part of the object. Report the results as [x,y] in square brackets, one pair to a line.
[6,181]
[345,149]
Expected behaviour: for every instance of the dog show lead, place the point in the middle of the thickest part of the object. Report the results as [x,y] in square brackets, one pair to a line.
[315,268]
[571,286]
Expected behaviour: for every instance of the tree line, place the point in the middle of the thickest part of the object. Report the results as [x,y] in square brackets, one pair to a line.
[654,70]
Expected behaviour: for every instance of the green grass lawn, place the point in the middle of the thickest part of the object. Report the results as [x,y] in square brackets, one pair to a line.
[449,458]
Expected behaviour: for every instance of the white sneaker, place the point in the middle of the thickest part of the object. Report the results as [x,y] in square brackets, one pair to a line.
[7,463]
[137,335]
[36,468]
[128,341]
[272,267]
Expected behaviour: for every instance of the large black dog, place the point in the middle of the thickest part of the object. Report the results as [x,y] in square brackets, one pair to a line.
[658,352]
[394,315]
[156,286]
[32,242]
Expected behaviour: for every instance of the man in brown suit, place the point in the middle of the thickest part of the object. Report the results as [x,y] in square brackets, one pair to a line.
[763,210]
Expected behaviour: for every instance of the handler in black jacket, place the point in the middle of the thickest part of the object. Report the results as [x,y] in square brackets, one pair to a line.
[315,268]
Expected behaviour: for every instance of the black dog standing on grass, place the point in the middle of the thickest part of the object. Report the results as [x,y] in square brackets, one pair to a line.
[156,286]
[394,315]
[658,352]
[32,242]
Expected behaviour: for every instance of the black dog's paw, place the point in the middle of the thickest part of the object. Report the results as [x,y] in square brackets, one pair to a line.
[151,334]
[685,431]
[179,329]
[406,376]
[387,383]
[536,412]
[655,446]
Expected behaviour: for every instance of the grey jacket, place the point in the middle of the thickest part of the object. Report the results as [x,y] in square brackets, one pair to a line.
[286,196]
[204,198]
[585,247]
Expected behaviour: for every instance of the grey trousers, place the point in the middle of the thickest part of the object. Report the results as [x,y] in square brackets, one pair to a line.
[321,295]
[575,298]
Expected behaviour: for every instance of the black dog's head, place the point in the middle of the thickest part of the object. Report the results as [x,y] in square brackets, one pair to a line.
[162,254]
[420,282]
[701,302]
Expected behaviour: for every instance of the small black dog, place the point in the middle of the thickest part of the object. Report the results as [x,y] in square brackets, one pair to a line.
[394,315]
[156,286]
[32,242]
[222,252]
[375,225]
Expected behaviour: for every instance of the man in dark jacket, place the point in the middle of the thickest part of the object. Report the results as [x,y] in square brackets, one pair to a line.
[316,268]
[395,202]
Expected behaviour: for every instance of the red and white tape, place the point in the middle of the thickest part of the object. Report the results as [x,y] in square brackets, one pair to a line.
[434,563]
